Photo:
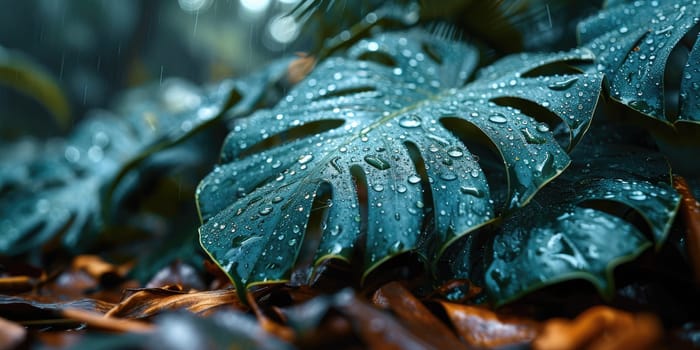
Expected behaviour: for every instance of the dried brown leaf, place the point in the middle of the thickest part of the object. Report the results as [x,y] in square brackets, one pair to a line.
[417,318]
[690,214]
[484,328]
[600,328]
[148,302]
[100,321]
[268,324]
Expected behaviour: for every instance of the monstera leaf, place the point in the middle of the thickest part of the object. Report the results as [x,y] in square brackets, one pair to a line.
[60,189]
[576,228]
[380,141]
[634,42]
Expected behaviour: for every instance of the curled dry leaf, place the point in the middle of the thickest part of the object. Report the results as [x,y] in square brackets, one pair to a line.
[600,328]
[690,214]
[148,302]
[480,327]
[281,331]
[98,320]
[29,310]
[17,277]
[416,317]
[96,267]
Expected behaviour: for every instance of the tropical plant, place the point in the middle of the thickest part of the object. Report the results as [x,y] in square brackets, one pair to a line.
[515,171]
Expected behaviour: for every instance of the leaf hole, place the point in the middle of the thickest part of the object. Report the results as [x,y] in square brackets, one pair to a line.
[570,67]
[291,135]
[562,132]
[674,71]
[359,180]
[426,202]
[315,225]
[346,92]
[432,52]
[490,159]
[379,57]
[234,97]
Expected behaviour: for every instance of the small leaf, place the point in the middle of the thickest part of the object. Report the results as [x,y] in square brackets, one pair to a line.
[634,41]
[393,120]
[569,230]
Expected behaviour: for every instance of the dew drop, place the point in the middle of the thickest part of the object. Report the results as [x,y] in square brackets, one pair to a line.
[265,211]
[637,195]
[455,152]
[448,176]
[472,191]
[563,85]
[410,121]
[305,158]
[542,127]
[498,118]
[377,162]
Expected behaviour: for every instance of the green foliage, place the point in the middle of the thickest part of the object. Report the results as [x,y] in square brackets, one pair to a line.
[66,187]
[394,145]
[394,119]
[639,44]
[21,73]
[579,227]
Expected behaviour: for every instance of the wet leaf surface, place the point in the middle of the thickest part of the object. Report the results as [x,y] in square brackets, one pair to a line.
[635,42]
[381,142]
[579,227]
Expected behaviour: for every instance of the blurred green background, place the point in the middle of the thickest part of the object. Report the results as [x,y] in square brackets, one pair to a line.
[95,49]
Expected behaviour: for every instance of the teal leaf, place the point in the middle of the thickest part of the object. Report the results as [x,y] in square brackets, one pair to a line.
[393,119]
[64,187]
[577,227]
[635,41]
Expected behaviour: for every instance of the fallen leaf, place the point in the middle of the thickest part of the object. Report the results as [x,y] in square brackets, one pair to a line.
[268,324]
[100,321]
[96,267]
[147,302]
[600,328]
[690,214]
[480,327]
[26,308]
[417,318]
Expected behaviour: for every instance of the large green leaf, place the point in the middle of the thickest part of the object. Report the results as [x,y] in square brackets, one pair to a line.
[392,119]
[575,228]
[634,42]
[59,188]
